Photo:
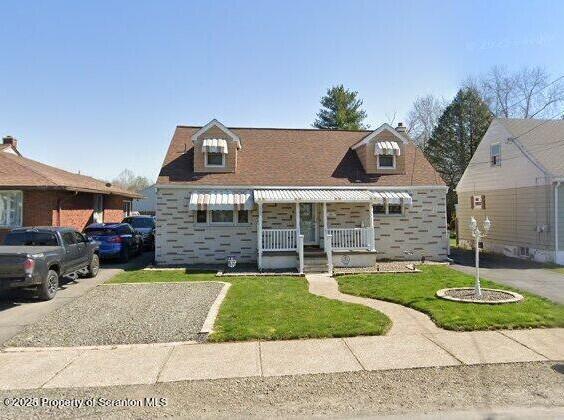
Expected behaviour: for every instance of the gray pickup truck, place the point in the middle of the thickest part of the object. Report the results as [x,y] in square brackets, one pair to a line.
[37,257]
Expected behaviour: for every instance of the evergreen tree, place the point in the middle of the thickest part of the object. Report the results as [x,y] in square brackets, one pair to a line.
[456,137]
[341,110]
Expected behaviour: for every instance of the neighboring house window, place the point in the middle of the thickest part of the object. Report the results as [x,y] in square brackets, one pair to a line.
[388,209]
[215,159]
[201,216]
[98,215]
[243,216]
[127,208]
[478,202]
[11,208]
[221,216]
[495,154]
[386,161]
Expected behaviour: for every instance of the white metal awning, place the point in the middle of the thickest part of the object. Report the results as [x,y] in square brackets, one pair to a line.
[214,146]
[387,148]
[221,200]
[393,197]
[312,196]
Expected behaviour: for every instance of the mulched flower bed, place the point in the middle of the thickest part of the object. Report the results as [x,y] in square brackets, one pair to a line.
[468,294]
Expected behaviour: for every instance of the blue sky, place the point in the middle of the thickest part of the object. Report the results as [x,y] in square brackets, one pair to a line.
[99,86]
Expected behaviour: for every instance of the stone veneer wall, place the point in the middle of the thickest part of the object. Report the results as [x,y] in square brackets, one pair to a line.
[420,231]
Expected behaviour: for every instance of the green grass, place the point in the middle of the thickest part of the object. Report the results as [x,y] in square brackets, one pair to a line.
[417,290]
[274,308]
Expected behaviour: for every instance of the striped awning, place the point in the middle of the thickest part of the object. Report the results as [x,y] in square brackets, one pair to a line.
[393,197]
[387,148]
[221,200]
[312,196]
[214,146]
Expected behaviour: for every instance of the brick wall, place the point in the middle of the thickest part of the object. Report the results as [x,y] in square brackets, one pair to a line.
[420,231]
[113,209]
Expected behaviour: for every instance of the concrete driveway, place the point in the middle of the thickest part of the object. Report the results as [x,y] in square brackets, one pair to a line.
[19,308]
[525,275]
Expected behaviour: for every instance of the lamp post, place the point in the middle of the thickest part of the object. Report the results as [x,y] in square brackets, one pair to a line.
[478,235]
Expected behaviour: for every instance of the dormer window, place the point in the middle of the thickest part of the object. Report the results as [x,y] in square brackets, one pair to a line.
[386,152]
[215,151]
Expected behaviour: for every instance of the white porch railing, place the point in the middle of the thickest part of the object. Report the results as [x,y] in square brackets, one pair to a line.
[351,238]
[279,240]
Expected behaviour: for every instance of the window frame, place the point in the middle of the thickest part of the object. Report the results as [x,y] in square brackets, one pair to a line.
[212,165]
[127,208]
[387,210]
[210,222]
[18,209]
[386,167]
[497,156]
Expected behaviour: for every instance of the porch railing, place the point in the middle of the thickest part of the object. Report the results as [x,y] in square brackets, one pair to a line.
[279,240]
[351,238]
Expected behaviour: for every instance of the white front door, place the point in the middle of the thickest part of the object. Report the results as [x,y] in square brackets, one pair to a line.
[308,223]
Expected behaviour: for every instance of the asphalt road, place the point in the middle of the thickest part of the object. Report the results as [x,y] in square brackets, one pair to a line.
[19,308]
[513,272]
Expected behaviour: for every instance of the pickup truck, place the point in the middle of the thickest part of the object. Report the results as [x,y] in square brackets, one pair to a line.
[37,257]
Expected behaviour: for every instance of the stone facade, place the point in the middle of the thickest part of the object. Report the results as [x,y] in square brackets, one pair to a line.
[420,231]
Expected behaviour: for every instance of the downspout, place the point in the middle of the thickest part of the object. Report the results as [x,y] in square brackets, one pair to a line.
[556,221]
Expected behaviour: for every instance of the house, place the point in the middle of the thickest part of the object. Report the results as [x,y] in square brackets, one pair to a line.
[146,205]
[515,179]
[251,193]
[35,194]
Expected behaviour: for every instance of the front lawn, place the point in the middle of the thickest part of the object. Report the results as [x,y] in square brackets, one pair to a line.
[274,308]
[417,290]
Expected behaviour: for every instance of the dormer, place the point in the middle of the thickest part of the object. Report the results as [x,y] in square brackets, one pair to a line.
[382,151]
[215,148]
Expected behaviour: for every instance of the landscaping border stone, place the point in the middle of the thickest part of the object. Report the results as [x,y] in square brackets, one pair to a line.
[516,297]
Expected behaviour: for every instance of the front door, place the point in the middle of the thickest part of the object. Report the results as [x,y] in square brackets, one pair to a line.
[308,223]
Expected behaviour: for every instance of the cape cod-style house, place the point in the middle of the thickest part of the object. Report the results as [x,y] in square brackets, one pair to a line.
[273,197]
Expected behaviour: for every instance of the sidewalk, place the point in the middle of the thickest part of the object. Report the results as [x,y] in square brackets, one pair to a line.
[413,342]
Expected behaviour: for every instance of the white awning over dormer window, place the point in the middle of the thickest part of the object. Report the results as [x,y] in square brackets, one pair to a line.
[214,146]
[387,148]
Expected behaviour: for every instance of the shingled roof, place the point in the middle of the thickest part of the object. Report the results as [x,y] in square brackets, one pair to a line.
[292,157]
[19,172]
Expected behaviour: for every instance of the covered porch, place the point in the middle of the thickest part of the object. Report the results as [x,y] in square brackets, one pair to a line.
[315,228]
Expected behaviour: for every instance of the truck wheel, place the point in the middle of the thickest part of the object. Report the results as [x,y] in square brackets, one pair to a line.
[49,287]
[93,267]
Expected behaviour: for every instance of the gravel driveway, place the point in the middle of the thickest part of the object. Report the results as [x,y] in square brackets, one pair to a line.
[125,314]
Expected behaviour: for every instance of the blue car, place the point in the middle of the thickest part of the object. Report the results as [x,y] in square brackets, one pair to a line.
[117,240]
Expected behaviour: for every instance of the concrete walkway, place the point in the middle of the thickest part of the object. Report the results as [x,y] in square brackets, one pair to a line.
[414,341]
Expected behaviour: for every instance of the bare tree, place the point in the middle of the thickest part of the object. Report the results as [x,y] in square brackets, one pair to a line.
[127,180]
[423,117]
[526,93]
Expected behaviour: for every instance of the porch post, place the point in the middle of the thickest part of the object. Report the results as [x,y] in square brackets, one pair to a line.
[297,220]
[372,247]
[325,225]
[259,236]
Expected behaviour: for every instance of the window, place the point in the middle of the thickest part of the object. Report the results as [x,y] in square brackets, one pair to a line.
[495,154]
[478,202]
[388,209]
[201,216]
[394,208]
[221,216]
[127,208]
[215,159]
[523,251]
[386,161]
[243,216]
[11,208]
[79,237]
[379,209]
[31,239]
[68,238]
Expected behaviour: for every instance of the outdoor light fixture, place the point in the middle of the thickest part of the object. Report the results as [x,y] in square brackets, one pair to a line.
[478,235]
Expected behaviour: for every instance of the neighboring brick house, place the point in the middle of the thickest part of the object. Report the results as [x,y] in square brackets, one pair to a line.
[252,193]
[35,194]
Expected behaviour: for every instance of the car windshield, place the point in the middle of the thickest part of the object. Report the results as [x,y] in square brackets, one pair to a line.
[100,231]
[31,239]
[140,222]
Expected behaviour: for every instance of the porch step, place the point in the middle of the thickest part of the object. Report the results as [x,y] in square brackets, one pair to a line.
[315,263]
